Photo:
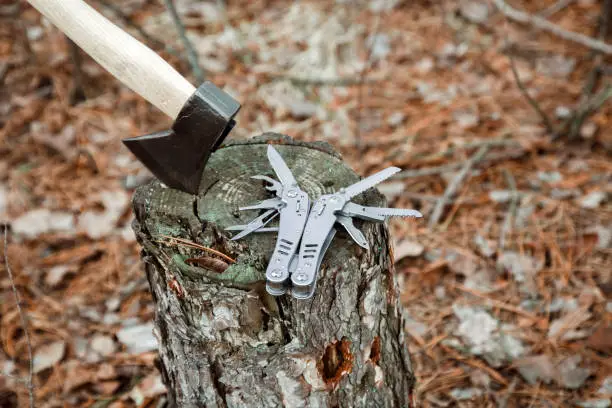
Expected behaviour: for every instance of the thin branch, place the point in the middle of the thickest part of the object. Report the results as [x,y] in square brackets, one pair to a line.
[446,168]
[507,226]
[587,109]
[78,92]
[604,26]
[576,121]
[544,25]
[24,320]
[300,81]
[534,104]
[497,142]
[555,8]
[362,79]
[426,171]
[151,40]
[192,56]
[198,246]
[455,184]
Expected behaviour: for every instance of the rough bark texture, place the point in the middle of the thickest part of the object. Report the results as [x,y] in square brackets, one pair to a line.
[224,342]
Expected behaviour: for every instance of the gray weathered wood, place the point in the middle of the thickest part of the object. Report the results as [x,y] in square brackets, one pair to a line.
[224,342]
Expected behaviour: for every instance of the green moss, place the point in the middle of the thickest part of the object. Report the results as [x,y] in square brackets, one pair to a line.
[239,274]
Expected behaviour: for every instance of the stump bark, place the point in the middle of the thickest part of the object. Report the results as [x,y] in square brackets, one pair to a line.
[223,341]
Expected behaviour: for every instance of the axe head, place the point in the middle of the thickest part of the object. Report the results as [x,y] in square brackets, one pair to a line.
[177,156]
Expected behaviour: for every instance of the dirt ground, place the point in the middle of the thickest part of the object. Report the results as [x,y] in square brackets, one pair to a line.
[506,281]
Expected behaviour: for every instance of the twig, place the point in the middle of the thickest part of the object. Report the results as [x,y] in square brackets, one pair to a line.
[192,56]
[24,320]
[555,8]
[544,25]
[426,171]
[576,120]
[296,80]
[604,26]
[497,142]
[155,42]
[584,111]
[78,93]
[507,227]
[15,378]
[596,102]
[432,171]
[502,401]
[496,303]
[434,198]
[198,246]
[534,104]
[364,73]
[455,184]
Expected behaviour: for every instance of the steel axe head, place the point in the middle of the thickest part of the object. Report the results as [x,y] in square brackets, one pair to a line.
[177,156]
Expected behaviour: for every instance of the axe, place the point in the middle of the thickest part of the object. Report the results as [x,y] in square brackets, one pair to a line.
[202,117]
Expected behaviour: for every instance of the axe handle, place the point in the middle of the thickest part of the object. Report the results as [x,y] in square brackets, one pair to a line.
[130,61]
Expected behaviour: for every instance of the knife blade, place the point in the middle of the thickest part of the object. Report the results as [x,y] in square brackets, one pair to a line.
[369,182]
[280,167]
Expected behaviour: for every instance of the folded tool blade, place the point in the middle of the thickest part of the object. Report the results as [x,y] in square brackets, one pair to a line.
[280,168]
[369,182]
[257,223]
[377,213]
[293,216]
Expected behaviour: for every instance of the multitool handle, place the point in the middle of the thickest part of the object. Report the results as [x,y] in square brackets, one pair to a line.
[315,240]
[293,218]
[126,58]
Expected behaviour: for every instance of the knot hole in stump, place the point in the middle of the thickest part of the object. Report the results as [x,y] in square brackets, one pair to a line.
[336,362]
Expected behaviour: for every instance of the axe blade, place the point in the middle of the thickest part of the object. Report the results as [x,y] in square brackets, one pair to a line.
[177,156]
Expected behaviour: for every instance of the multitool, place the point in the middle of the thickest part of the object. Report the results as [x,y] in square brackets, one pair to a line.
[312,228]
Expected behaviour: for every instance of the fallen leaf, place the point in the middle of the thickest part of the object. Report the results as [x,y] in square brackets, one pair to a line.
[596,403]
[570,375]
[100,224]
[56,274]
[601,339]
[568,322]
[523,268]
[208,262]
[138,339]
[536,368]
[557,66]
[49,355]
[42,221]
[391,190]
[76,375]
[606,386]
[485,336]
[103,345]
[462,394]
[107,387]
[407,248]
[592,200]
[476,12]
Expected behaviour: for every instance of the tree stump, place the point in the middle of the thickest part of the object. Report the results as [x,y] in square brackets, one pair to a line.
[223,341]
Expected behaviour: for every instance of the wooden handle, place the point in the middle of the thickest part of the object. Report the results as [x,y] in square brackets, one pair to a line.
[130,61]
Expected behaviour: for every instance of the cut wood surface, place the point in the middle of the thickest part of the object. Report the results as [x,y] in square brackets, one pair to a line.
[224,342]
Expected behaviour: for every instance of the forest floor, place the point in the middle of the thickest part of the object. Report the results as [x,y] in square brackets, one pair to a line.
[506,281]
